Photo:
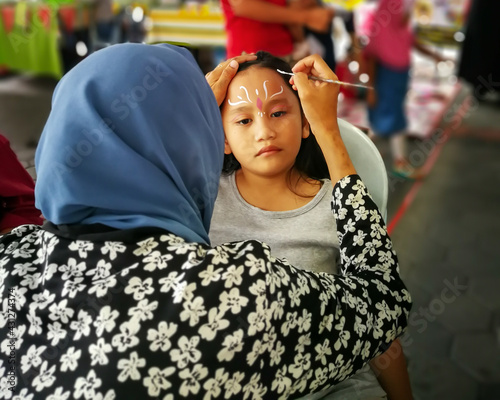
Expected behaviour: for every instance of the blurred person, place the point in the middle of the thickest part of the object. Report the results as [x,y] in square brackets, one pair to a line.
[104,19]
[253,25]
[388,57]
[301,46]
[309,41]
[323,41]
[17,192]
[480,57]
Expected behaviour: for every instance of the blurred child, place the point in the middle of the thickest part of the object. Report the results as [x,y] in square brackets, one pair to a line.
[388,53]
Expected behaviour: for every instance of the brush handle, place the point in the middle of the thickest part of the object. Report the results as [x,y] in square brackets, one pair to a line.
[316,78]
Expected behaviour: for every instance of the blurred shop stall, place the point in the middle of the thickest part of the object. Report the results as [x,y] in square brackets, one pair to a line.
[29,38]
[188,23]
[50,37]
[197,25]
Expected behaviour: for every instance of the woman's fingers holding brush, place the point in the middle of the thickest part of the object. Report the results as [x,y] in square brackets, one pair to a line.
[318,99]
[314,65]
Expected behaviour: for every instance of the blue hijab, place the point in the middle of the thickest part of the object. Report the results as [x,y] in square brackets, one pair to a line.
[134,139]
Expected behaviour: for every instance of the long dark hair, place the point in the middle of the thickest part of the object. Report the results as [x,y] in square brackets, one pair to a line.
[310,162]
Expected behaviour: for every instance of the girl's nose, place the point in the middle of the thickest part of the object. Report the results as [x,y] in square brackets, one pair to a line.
[264,131]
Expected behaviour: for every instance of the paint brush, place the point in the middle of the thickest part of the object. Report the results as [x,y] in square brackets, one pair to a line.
[315,78]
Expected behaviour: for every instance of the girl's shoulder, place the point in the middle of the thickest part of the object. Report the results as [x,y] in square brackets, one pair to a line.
[227,185]
[326,190]
[228,195]
[226,179]
[317,187]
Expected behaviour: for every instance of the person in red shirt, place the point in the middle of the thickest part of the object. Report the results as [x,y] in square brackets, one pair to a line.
[253,25]
[17,198]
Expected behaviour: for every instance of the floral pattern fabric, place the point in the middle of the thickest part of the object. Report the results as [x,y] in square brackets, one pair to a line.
[157,317]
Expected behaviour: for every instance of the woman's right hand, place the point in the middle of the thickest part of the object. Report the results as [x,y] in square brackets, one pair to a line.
[221,76]
[319,99]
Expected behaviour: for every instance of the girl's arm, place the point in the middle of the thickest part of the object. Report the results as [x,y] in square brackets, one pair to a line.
[392,374]
[317,18]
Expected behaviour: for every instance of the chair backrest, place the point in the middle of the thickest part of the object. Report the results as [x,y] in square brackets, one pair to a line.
[368,163]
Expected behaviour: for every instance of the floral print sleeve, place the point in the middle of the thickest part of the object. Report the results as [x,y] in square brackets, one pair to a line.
[152,316]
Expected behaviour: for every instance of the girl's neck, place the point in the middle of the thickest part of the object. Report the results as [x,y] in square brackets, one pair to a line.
[284,192]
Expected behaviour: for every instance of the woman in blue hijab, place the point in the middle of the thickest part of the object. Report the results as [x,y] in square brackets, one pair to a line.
[124,158]
[120,296]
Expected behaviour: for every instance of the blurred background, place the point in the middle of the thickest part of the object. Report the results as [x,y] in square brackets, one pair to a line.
[41,40]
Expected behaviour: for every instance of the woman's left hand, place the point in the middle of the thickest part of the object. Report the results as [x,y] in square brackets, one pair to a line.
[221,76]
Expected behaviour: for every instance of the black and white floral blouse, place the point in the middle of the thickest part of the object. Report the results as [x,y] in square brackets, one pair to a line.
[89,313]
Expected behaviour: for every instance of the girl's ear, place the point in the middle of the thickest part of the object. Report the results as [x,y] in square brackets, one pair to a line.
[227,148]
[305,127]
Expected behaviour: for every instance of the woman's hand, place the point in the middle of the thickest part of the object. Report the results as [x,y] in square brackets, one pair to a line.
[319,102]
[319,99]
[221,76]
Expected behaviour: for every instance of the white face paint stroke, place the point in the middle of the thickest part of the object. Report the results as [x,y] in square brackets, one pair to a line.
[238,102]
[246,92]
[275,94]
[257,93]
[243,101]
[265,87]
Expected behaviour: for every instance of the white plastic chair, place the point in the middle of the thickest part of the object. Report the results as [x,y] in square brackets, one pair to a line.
[368,163]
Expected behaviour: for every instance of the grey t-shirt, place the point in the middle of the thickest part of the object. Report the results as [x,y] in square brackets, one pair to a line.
[306,237]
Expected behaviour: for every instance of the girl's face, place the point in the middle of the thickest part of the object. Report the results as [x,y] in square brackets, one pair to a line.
[263,122]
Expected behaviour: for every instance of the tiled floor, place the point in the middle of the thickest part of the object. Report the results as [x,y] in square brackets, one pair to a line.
[448,247]
[448,241]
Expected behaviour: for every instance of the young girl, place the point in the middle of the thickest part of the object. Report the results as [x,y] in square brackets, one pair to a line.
[276,182]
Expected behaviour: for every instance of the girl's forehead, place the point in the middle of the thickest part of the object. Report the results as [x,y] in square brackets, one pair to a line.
[255,76]
[258,86]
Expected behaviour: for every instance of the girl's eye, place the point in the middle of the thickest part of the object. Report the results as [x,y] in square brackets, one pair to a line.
[278,114]
[244,121]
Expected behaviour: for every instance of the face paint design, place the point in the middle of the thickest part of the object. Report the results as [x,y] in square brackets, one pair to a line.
[239,97]
[259,102]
